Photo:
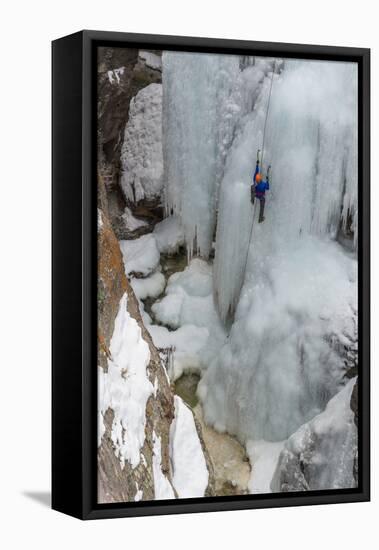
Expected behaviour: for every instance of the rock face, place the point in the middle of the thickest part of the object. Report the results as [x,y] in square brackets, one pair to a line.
[151,478]
[116,484]
[131,466]
[321,454]
[122,73]
[354,408]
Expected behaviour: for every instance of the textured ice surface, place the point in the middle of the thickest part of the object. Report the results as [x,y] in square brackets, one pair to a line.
[197,123]
[232,241]
[321,454]
[141,153]
[311,143]
[279,368]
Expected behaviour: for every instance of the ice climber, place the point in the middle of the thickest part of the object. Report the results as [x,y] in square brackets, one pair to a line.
[258,190]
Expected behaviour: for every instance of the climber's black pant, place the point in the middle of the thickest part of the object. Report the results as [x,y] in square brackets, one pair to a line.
[262,201]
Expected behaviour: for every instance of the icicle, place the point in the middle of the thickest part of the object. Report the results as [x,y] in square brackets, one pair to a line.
[199,114]
[235,217]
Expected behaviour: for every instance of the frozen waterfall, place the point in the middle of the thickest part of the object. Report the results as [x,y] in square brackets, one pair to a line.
[214,108]
[311,143]
[300,288]
[297,295]
[203,98]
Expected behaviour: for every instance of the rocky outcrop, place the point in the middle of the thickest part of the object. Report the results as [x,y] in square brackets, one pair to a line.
[118,480]
[122,73]
[321,454]
[354,408]
[354,403]
[117,483]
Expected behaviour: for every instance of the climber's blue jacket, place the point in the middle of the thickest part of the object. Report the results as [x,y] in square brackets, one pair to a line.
[261,187]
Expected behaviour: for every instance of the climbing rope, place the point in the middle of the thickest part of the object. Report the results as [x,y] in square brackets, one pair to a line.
[268,107]
[263,148]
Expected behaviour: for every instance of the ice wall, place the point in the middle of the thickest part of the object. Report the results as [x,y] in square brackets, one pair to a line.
[298,293]
[237,217]
[232,240]
[203,98]
[311,142]
[279,368]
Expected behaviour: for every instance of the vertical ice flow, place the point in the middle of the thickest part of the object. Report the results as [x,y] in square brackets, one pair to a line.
[311,143]
[299,287]
[202,99]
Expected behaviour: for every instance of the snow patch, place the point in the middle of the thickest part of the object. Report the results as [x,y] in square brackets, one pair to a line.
[115,74]
[186,343]
[125,388]
[100,222]
[169,235]
[138,496]
[188,307]
[140,255]
[132,223]
[190,472]
[150,287]
[263,456]
[162,487]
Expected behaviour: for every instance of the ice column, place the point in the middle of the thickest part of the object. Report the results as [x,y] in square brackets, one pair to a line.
[198,121]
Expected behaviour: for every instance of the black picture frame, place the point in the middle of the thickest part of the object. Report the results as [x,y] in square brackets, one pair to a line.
[74,315]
